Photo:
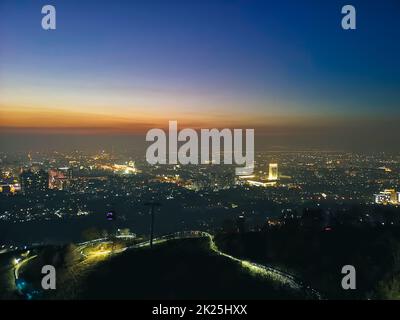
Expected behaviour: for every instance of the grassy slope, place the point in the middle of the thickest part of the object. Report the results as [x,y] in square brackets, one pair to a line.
[181,269]
[7,277]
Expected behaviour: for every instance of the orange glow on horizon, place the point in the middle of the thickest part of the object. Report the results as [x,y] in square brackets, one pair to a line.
[45,120]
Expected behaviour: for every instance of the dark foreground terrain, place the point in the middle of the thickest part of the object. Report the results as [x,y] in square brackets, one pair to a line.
[177,269]
[317,257]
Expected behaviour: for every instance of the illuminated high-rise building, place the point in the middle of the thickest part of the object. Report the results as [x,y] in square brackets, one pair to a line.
[27,182]
[381,198]
[273,172]
[60,178]
[388,196]
[393,195]
[42,181]
[34,181]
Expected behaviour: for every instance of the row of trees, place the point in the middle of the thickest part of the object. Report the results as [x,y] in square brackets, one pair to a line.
[318,257]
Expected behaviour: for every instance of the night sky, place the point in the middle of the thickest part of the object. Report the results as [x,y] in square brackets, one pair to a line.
[286,68]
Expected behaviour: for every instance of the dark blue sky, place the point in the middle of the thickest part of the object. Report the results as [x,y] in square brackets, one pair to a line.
[259,57]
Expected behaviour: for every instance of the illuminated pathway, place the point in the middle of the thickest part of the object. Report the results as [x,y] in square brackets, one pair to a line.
[255,268]
[19,264]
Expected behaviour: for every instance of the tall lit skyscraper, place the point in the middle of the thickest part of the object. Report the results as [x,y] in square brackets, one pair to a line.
[388,196]
[34,181]
[393,195]
[381,198]
[27,182]
[273,172]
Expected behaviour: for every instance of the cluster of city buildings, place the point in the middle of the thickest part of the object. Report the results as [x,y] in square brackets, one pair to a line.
[90,182]
[35,179]
[127,168]
[270,181]
[387,196]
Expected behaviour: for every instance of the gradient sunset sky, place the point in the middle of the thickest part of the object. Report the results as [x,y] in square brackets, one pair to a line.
[282,67]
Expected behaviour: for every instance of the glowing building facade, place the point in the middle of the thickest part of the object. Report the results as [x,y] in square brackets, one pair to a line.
[388,196]
[273,172]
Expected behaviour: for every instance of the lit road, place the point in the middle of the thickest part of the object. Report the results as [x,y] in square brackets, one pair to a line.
[20,264]
[255,268]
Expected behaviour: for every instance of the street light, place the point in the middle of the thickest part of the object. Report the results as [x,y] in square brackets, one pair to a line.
[112,216]
[152,204]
